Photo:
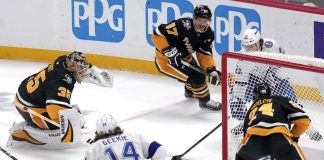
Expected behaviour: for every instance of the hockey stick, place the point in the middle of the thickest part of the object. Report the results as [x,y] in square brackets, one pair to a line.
[8,154]
[178,157]
[37,114]
[187,64]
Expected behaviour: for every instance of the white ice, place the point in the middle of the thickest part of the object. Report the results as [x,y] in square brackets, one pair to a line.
[151,105]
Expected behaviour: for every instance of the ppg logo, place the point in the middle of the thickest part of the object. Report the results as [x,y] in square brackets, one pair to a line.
[165,11]
[99,20]
[230,24]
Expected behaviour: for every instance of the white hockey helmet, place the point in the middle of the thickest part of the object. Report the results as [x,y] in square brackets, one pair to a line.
[251,38]
[106,123]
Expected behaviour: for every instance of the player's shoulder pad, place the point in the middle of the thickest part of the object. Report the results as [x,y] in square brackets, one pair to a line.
[296,105]
[280,98]
[209,34]
[184,23]
[61,73]
[59,63]
[67,79]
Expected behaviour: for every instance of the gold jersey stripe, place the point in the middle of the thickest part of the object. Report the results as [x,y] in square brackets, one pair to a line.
[267,131]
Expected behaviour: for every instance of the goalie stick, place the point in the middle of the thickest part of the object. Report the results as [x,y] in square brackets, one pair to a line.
[62,126]
[37,114]
[178,157]
[8,154]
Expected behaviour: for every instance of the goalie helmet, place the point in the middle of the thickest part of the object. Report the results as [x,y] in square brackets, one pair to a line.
[261,90]
[201,18]
[78,64]
[106,124]
[252,40]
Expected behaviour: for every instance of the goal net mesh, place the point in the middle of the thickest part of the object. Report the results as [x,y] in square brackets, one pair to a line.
[299,78]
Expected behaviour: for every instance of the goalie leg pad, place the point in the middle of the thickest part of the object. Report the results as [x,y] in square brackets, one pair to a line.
[70,126]
[22,134]
[67,136]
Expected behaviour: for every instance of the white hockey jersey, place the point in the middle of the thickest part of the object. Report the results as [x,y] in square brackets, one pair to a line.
[125,146]
[269,45]
[247,74]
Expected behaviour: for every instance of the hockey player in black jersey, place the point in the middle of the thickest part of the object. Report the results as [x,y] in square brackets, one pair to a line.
[267,133]
[179,40]
[48,93]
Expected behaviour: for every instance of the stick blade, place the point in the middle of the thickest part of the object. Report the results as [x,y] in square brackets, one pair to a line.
[178,157]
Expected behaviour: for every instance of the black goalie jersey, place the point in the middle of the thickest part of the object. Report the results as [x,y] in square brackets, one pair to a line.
[46,92]
[275,115]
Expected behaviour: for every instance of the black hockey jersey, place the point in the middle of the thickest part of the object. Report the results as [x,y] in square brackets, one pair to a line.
[274,115]
[52,85]
[181,34]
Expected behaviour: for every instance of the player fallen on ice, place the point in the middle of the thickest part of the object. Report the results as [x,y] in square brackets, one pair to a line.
[110,142]
[248,74]
[179,41]
[43,100]
[252,41]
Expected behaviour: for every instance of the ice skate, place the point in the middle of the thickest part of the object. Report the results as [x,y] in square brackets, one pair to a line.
[210,105]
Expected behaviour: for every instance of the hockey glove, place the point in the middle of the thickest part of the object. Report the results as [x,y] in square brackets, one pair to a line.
[295,139]
[215,76]
[174,56]
[99,77]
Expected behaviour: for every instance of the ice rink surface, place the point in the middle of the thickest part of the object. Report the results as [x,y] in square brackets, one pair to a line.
[151,105]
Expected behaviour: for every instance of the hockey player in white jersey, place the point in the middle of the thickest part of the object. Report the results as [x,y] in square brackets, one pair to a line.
[110,143]
[249,73]
[252,42]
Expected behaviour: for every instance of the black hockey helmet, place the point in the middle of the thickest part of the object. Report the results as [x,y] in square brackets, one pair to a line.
[201,18]
[261,90]
[202,11]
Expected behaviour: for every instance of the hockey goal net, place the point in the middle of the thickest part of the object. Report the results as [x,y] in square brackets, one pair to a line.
[299,78]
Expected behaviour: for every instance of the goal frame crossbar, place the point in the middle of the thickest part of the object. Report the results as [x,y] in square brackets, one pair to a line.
[256,59]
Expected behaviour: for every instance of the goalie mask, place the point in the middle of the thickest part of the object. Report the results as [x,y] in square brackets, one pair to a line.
[201,18]
[251,40]
[261,90]
[106,124]
[78,64]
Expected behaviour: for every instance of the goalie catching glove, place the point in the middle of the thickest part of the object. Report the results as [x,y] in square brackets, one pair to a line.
[174,56]
[99,77]
[214,76]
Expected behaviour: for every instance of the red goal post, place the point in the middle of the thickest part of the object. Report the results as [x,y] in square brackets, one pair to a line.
[294,67]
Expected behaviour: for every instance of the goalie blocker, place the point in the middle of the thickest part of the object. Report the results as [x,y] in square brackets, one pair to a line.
[67,136]
[99,77]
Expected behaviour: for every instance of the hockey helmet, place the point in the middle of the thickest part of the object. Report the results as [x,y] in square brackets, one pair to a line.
[251,40]
[201,18]
[77,63]
[106,124]
[261,90]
